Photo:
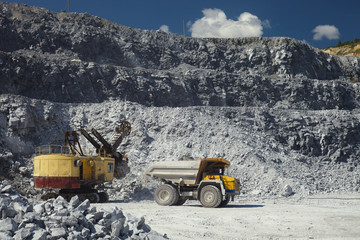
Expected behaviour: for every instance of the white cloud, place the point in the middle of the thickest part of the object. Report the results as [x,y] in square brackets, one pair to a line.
[328,31]
[215,24]
[164,28]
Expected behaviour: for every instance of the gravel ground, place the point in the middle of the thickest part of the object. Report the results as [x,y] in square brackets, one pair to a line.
[315,217]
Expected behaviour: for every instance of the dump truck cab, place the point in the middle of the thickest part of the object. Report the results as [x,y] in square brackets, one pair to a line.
[201,179]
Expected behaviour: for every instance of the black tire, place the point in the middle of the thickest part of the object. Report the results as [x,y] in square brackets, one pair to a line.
[210,196]
[180,202]
[166,195]
[83,197]
[93,197]
[104,197]
[225,202]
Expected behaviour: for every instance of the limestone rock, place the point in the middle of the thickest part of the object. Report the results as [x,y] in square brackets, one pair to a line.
[8,224]
[287,191]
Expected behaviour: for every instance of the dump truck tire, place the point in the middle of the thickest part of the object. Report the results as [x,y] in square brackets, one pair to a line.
[225,202]
[210,196]
[166,195]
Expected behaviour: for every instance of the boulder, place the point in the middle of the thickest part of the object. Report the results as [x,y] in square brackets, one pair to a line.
[8,225]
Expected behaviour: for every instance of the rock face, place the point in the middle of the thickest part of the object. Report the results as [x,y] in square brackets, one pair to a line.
[87,59]
[284,113]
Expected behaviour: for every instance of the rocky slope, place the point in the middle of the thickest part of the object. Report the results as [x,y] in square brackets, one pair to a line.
[284,113]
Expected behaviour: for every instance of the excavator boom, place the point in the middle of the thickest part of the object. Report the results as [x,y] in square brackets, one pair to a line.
[90,139]
[106,146]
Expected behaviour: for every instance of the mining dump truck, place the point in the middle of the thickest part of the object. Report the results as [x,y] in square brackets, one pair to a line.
[201,179]
[66,171]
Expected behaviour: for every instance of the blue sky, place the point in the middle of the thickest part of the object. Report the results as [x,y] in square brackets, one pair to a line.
[320,23]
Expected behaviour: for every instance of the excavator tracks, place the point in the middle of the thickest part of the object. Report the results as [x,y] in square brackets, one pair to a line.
[93,196]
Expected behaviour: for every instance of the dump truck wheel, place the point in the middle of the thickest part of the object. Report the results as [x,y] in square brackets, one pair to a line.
[210,196]
[166,195]
[225,202]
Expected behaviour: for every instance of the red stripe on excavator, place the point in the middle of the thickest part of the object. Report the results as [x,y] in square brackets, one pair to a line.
[57,182]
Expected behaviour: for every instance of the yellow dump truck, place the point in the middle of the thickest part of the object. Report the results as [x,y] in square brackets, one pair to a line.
[201,179]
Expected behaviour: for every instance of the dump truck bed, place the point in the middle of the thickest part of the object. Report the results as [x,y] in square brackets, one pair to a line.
[174,170]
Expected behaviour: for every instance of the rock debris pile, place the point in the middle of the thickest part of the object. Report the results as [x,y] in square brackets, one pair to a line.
[22,218]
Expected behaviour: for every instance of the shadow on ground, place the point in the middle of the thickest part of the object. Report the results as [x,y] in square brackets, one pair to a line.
[244,206]
[229,206]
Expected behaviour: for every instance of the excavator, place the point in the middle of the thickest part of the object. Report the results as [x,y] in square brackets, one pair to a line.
[69,172]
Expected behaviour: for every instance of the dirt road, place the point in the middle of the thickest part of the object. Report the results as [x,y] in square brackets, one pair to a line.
[324,217]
